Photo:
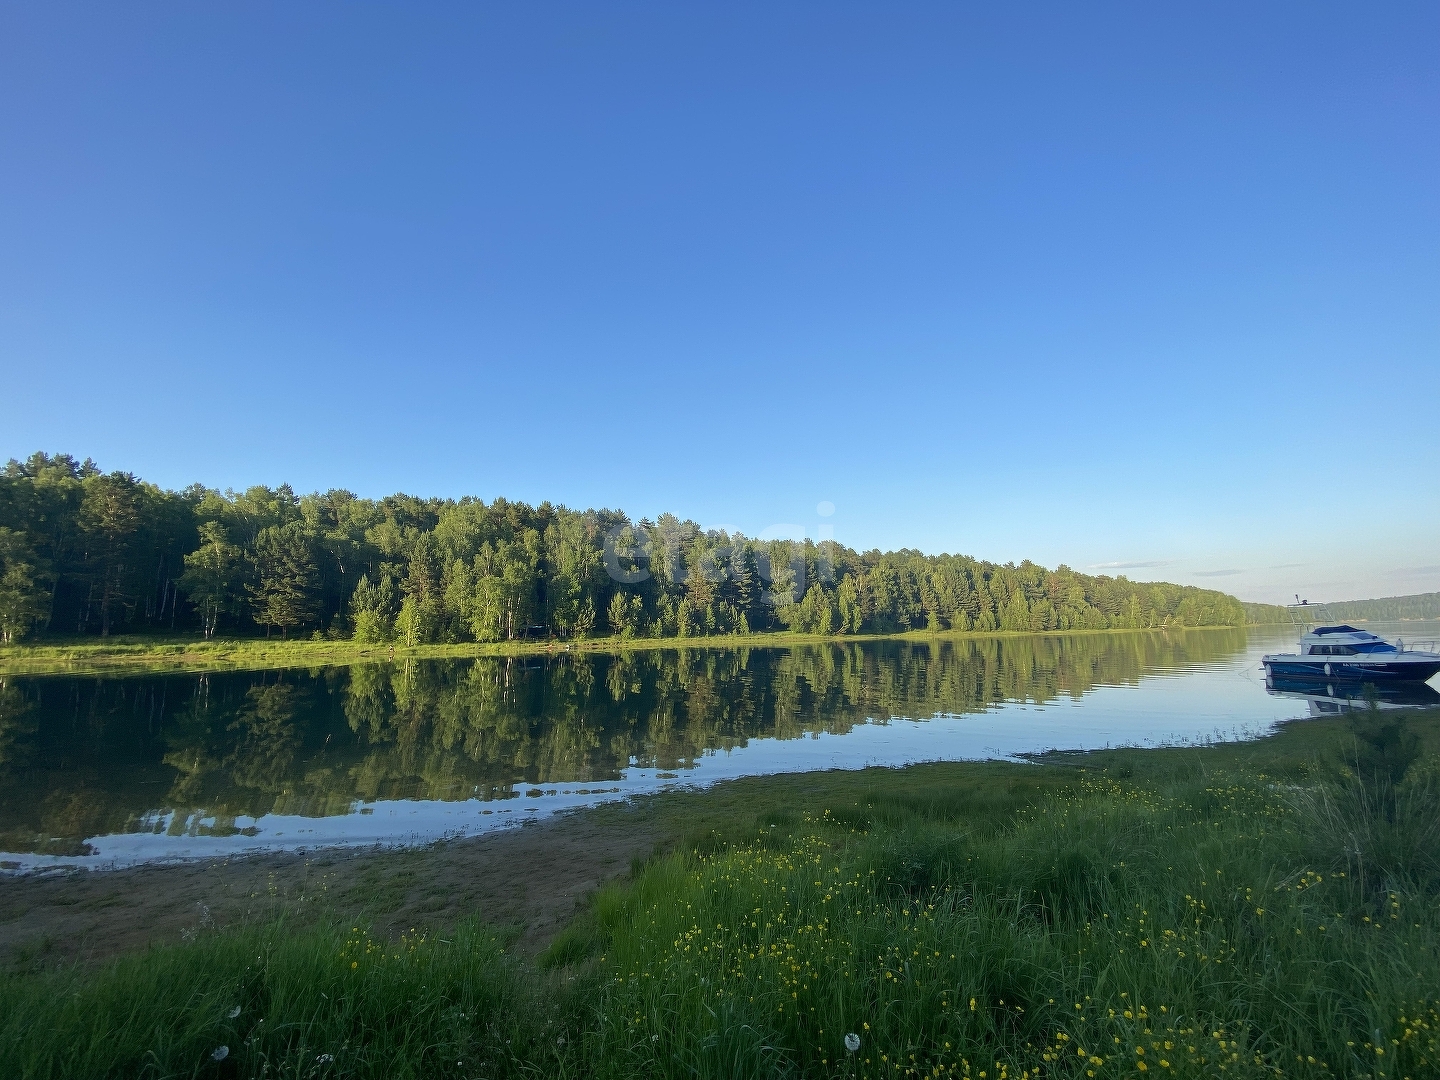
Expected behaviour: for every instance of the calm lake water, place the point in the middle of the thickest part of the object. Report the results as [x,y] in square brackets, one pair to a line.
[112,771]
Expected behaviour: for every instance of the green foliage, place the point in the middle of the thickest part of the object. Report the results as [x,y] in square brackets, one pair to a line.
[1266,614]
[372,610]
[818,612]
[627,615]
[1387,609]
[111,515]
[285,586]
[110,546]
[211,580]
[22,598]
[118,552]
[1418,606]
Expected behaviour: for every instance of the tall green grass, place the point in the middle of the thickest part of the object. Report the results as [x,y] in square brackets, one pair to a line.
[1248,912]
[329,1001]
[1114,932]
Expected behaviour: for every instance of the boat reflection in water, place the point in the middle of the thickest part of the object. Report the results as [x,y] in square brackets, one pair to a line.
[1330,697]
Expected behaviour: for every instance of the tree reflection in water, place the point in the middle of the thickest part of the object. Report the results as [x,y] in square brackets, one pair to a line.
[81,757]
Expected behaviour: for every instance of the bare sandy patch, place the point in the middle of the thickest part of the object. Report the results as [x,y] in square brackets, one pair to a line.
[529,880]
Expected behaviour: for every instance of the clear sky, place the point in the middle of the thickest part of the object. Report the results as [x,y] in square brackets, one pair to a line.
[1149,289]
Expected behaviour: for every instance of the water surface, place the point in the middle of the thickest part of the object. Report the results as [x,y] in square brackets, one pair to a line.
[112,771]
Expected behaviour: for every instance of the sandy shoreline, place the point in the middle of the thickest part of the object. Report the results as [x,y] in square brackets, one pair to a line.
[529,879]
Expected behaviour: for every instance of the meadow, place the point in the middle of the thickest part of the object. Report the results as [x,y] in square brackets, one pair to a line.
[1251,910]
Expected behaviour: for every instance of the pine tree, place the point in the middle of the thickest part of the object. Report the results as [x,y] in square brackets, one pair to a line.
[743,587]
[111,514]
[286,585]
[372,610]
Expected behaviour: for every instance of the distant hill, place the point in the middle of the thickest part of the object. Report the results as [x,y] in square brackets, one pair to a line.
[1386,609]
[1419,606]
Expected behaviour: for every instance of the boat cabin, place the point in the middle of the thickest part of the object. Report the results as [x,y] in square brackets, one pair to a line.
[1343,641]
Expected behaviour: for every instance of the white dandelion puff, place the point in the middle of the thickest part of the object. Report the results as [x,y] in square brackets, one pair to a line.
[233,1012]
[852,1042]
[220,1053]
[325,1059]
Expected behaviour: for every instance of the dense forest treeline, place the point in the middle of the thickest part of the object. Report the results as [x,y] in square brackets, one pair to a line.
[88,552]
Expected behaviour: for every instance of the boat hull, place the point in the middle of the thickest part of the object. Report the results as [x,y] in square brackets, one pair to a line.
[1420,669]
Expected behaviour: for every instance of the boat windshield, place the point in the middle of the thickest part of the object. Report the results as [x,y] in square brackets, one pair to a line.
[1374,647]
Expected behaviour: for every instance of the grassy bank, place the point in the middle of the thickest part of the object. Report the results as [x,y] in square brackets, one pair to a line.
[166,655]
[191,653]
[1266,909]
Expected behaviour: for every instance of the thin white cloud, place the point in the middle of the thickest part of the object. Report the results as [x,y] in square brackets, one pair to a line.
[1217,573]
[1129,565]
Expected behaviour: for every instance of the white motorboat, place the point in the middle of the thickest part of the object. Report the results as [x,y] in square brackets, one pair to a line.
[1347,653]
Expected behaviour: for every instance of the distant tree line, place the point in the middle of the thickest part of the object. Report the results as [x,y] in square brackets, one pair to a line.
[87,552]
[1266,614]
[1386,609]
[1418,606]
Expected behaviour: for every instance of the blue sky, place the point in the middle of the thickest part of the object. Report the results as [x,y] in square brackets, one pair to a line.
[1138,289]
